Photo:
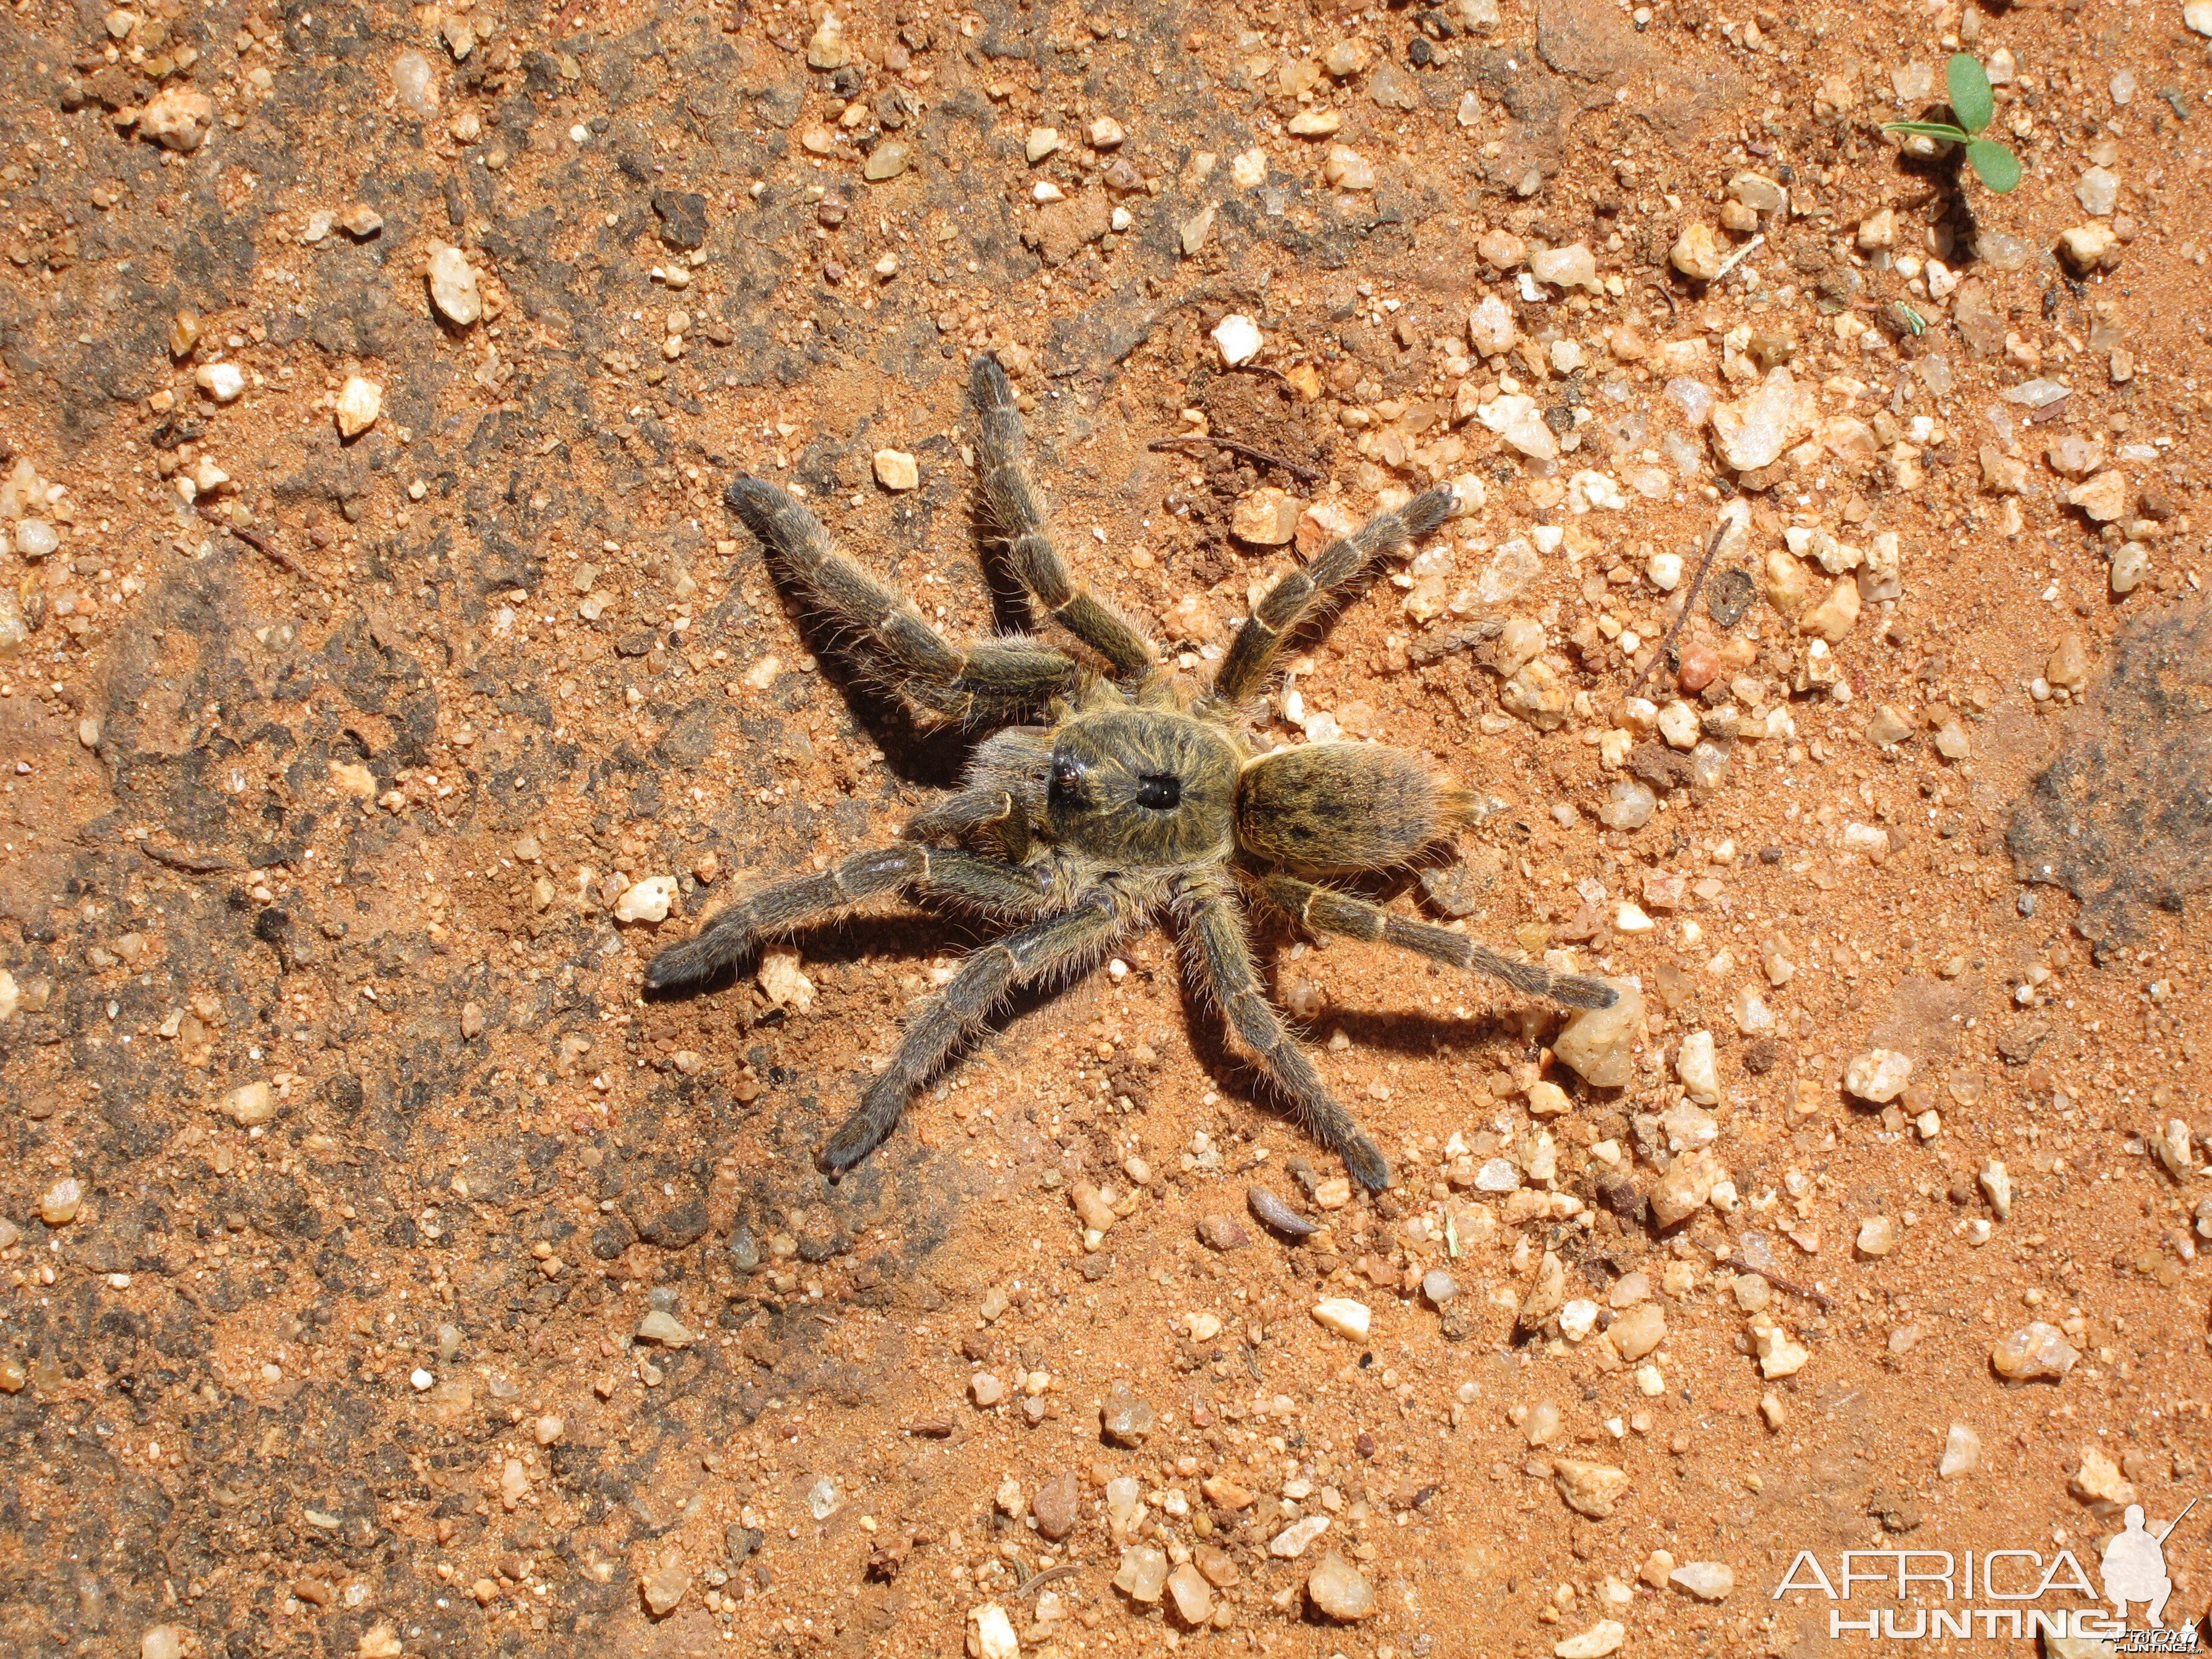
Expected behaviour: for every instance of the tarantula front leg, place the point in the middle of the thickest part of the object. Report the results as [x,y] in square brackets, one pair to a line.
[992,680]
[1292,600]
[993,812]
[732,933]
[1014,506]
[1223,959]
[1056,945]
[1327,911]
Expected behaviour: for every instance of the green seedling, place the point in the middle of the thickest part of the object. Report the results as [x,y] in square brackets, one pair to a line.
[1973,103]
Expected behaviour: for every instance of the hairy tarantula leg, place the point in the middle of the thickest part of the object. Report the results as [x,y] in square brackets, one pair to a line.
[1223,958]
[971,812]
[1016,509]
[991,680]
[1327,911]
[1292,600]
[1070,939]
[732,934]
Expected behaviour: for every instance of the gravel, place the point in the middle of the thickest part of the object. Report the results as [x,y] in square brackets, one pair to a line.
[1589,1488]
[1126,1420]
[2036,1353]
[1143,1574]
[1708,1581]
[1192,1595]
[1878,1076]
[1605,1636]
[1598,1044]
[1342,1316]
[1339,1591]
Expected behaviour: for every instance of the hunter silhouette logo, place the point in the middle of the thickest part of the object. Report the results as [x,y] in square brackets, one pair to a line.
[2135,1566]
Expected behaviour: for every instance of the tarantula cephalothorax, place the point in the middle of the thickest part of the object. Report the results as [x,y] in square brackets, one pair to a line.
[1138,798]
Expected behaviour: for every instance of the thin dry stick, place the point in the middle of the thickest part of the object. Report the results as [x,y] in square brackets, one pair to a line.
[1067,1569]
[1303,474]
[267,548]
[1777,1280]
[1704,564]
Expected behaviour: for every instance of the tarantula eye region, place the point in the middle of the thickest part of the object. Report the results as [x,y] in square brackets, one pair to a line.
[1070,780]
[1161,792]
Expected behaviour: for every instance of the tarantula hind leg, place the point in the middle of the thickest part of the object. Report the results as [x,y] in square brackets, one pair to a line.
[1057,944]
[1223,958]
[1327,911]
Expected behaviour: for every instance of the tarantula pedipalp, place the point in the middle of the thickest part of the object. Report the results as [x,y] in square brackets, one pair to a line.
[1140,799]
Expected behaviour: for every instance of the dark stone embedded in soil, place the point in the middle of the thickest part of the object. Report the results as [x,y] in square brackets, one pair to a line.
[682,216]
[1731,596]
[2123,818]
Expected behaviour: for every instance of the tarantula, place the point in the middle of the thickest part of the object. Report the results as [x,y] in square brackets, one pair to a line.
[1139,797]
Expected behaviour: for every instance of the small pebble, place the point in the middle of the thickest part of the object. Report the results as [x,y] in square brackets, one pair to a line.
[826,48]
[1698,253]
[177,118]
[2036,1353]
[1601,1639]
[782,983]
[664,1587]
[646,901]
[1587,1488]
[1237,338]
[222,382]
[1055,1507]
[162,1641]
[1597,1043]
[1438,1286]
[248,1105]
[986,1390]
[1192,1595]
[1779,1356]
[360,402]
[59,1204]
[1962,1453]
[1125,1419]
[1638,1331]
[1293,1541]
[1338,1589]
[2097,1480]
[1222,1232]
[1344,1317]
[994,1633]
[1878,1076]
[1694,1064]
[1348,169]
[663,1330]
[1708,1581]
[896,469]
[1143,1574]
[1877,1237]
[453,285]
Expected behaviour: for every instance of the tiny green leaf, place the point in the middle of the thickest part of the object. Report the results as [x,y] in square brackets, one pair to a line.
[1999,167]
[1942,130]
[1971,99]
